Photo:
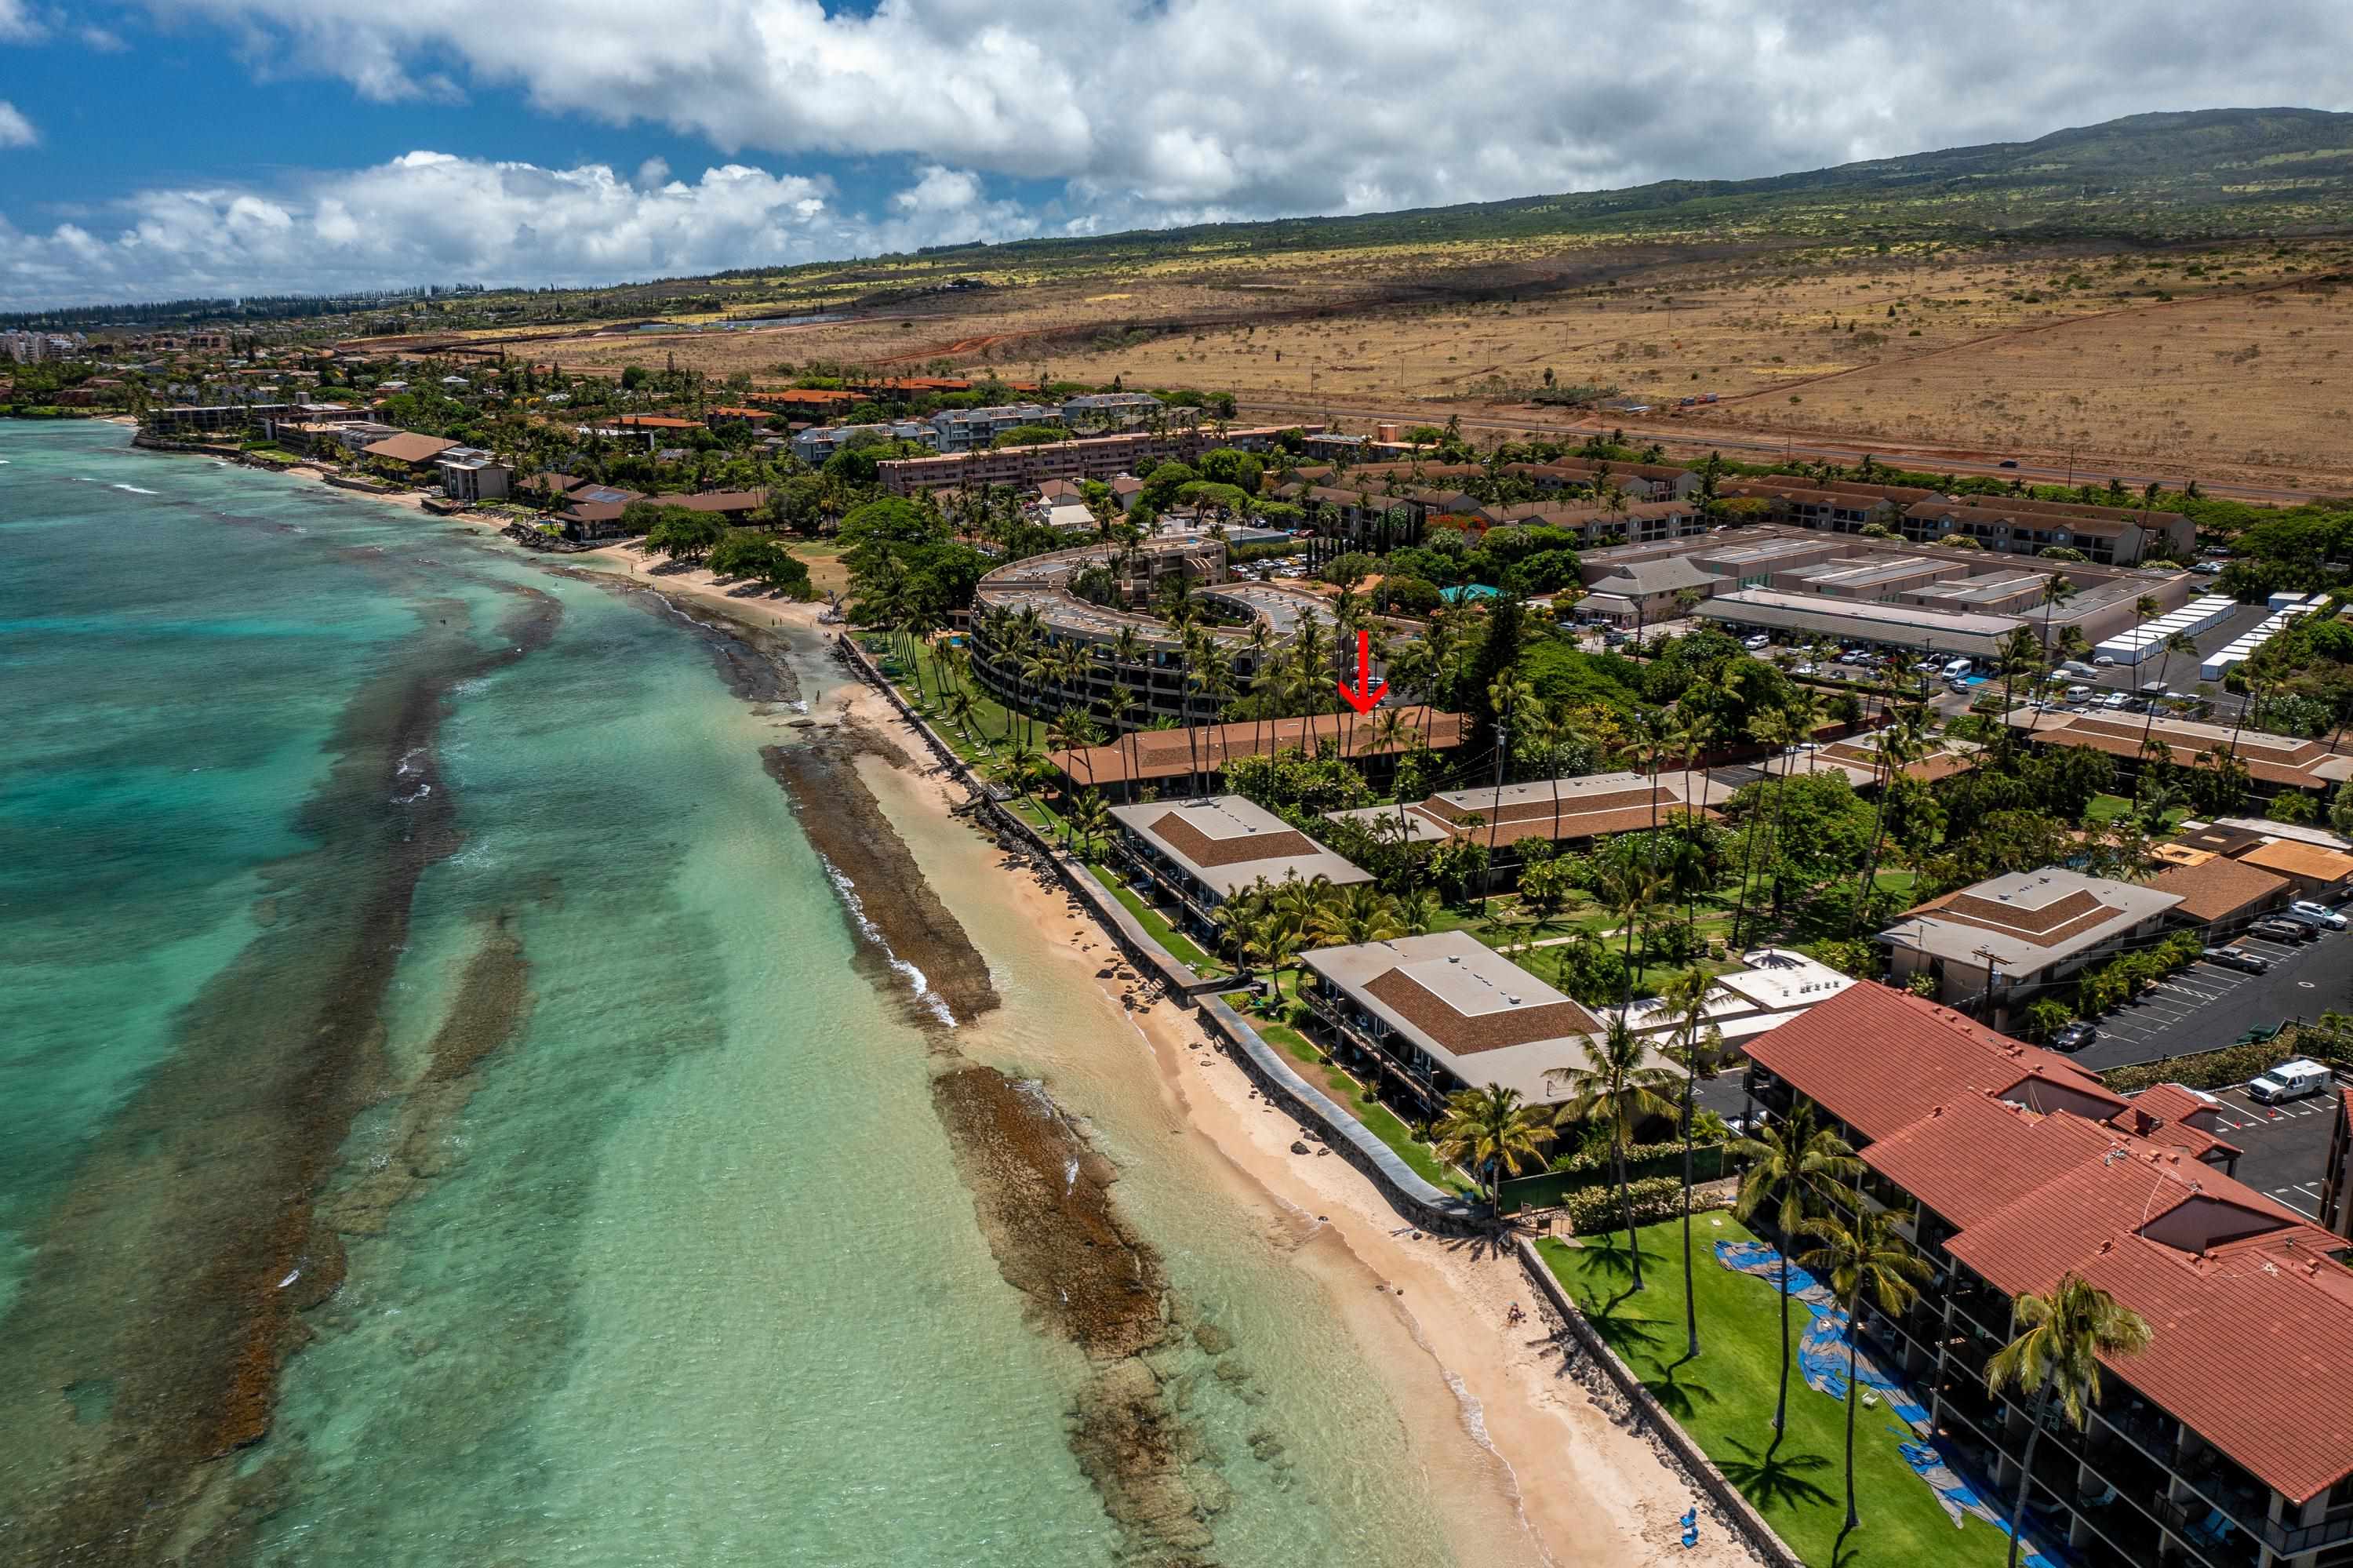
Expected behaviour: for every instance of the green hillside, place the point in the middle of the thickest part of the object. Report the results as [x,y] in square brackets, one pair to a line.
[2216,173]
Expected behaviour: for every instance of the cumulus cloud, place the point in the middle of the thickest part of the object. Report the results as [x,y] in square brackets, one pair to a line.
[429,215]
[16,130]
[1153,111]
[16,23]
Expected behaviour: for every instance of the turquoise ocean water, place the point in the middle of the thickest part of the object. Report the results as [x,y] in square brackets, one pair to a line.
[685,1274]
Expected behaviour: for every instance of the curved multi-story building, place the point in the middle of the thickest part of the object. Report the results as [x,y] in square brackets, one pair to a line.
[1036,593]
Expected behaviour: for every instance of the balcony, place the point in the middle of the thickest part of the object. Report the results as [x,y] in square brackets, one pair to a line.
[2216,1544]
[2231,1489]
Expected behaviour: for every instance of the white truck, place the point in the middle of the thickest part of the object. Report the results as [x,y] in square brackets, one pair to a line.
[2289,1080]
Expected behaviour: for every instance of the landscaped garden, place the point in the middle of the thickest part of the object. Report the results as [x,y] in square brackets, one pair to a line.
[1724,1400]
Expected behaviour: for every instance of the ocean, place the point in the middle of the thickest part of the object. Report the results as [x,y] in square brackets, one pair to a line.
[445,1117]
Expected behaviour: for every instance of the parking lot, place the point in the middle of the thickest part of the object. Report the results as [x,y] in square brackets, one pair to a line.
[2206,1005]
[2286,1145]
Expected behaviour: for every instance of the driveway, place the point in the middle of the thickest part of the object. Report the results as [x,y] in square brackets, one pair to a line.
[2206,1005]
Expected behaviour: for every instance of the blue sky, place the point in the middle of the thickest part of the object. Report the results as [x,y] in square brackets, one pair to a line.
[157,148]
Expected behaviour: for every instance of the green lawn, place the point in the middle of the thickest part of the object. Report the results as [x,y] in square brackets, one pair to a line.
[1180,947]
[1378,1119]
[2109,808]
[1724,1400]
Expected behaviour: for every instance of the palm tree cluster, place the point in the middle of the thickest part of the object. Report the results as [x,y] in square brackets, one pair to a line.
[1805,1181]
[1270,924]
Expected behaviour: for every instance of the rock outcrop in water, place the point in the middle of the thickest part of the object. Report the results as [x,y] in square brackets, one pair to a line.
[1042,1194]
[136,1362]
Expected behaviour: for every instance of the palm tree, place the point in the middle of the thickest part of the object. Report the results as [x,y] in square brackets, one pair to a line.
[2061,1339]
[1696,1045]
[1618,1088]
[1862,1255]
[1899,745]
[1090,818]
[1512,700]
[1633,890]
[1419,910]
[1355,915]
[2175,643]
[1775,730]
[2056,591]
[2014,655]
[957,706]
[1490,1133]
[1122,702]
[1792,1163]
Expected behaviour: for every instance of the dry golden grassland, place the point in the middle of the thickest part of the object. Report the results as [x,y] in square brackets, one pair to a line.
[2240,367]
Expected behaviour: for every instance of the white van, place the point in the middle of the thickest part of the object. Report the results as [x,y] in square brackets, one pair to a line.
[2289,1080]
[1957,668]
[2077,694]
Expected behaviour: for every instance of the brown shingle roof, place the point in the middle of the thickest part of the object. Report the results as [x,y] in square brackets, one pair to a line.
[2046,926]
[2217,889]
[408,447]
[1465,1034]
[1204,850]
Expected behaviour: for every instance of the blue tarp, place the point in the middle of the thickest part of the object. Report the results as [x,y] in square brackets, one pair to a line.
[1822,1360]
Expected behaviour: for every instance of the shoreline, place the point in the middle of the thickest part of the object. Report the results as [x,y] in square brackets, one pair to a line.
[1431,1311]
[1494,1414]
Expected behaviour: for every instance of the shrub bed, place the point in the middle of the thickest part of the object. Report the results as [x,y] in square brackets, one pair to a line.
[1598,1209]
[2209,1069]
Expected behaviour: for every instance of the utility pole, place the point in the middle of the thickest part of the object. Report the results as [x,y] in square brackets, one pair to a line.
[1989,955]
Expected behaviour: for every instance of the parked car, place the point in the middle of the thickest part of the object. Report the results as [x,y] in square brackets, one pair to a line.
[2207,568]
[2075,1036]
[2079,693]
[2319,914]
[2289,1080]
[2238,959]
[2291,931]
[1757,642]
[2114,700]
[2104,661]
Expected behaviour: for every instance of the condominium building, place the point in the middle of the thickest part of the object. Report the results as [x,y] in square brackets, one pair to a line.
[972,430]
[1444,1011]
[2228,1442]
[2000,942]
[1204,852]
[814,445]
[1098,457]
[1097,407]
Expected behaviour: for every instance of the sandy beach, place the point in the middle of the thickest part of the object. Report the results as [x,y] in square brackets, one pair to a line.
[1533,1466]
[1432,1310]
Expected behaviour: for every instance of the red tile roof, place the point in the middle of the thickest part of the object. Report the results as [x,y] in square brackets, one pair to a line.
[1968,1158]
[2040,1189]
[1920,1055]
[2289,1427]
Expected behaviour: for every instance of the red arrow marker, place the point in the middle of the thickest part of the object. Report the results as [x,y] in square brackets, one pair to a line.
[1366,694]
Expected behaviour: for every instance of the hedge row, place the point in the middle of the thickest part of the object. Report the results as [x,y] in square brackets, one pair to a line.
[1596,1209]
[1646,1159]
[2207,1069]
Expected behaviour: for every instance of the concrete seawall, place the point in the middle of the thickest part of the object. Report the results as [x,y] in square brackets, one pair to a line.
[1414,1198]
[1731,1507]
